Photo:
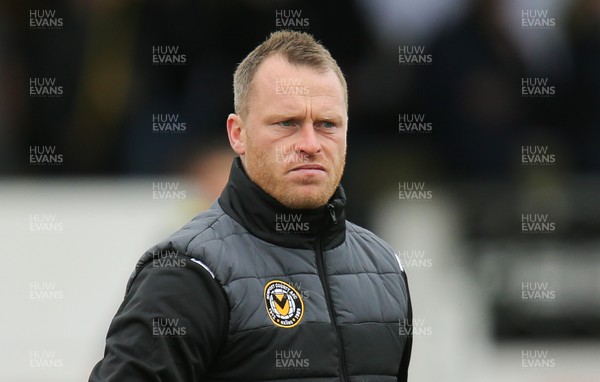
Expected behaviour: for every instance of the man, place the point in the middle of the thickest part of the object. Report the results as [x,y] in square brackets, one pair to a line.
[271,283]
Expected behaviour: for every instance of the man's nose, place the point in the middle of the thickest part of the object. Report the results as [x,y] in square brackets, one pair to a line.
[308,140]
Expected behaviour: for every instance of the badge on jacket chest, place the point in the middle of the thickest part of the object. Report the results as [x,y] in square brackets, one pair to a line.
[284,304]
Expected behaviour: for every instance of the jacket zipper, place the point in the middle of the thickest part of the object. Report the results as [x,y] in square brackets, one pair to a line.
[321,270]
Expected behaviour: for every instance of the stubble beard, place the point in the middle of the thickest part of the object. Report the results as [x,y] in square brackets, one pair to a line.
[261,166]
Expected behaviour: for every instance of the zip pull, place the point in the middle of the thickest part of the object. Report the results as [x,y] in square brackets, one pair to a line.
[331,209]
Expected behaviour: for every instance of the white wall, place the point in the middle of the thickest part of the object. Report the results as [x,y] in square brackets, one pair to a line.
[101,229]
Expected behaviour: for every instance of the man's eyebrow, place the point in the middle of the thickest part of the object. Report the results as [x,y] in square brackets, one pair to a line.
[331,116]
[284,115]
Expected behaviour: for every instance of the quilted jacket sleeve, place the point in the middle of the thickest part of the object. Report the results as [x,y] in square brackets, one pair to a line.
[169,327]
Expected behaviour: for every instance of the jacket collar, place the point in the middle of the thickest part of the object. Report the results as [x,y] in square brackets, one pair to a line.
[266,218]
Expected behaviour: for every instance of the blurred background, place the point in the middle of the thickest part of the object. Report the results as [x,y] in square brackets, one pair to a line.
[474,134]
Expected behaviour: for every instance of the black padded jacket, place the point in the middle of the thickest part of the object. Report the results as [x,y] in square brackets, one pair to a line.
[250,290]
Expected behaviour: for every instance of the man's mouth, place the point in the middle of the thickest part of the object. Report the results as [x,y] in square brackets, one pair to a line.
[309,168]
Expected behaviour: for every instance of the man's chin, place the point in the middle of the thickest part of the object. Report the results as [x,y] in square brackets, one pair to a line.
[305,197]
[316,179]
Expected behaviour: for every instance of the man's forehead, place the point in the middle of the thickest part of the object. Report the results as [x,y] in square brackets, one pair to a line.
[277,71]
[288,84]
[292,104]
[277,63]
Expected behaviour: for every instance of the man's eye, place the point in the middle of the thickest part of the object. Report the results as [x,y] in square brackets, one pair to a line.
[288,123]
[328,124]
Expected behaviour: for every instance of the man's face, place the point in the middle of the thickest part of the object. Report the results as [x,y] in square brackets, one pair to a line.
[293,139]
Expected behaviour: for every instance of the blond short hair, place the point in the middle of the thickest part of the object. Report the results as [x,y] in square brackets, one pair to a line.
[297,47]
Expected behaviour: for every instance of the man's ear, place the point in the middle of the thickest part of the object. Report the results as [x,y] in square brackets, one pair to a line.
[236,133]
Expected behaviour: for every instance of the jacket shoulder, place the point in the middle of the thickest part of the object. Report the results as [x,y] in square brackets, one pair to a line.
[210,227]
[213,224]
